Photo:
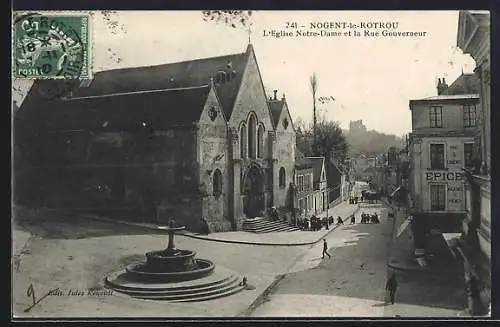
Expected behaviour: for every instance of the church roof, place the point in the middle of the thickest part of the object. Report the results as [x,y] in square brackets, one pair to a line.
[464,84]
[192,73]
[128,111]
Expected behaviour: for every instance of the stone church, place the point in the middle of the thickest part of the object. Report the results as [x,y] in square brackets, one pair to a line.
[191,140]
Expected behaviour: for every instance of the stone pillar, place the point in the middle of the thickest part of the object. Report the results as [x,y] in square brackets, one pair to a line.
[273,162]
[235,203]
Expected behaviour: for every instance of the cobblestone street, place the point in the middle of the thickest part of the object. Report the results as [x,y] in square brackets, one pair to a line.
[69,252]
[66,255]
[352,282]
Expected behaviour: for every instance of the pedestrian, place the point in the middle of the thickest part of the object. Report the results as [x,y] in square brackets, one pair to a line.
[392,286]
[353,219]
[339,221]
[325,249]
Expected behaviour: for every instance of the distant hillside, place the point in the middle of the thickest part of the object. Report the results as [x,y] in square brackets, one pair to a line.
[369,142]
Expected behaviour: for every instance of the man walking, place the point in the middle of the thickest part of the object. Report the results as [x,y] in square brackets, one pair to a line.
[392,286]
[325,249]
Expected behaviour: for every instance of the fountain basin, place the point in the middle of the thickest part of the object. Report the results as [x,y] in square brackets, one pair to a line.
[142,272]
[164,261]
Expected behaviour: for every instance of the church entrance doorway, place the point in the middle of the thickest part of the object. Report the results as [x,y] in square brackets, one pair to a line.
[253,200]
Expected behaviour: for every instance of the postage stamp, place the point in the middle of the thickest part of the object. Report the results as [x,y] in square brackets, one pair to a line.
[51,46]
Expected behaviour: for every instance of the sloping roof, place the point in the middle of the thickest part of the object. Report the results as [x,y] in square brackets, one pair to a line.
[276,107]
[340,168]
[318,164]
[156,109]
[449,97]
[464,84]
[174,75]
[303,163]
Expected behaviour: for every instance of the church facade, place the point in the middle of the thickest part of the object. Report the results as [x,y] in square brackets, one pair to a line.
[194,140]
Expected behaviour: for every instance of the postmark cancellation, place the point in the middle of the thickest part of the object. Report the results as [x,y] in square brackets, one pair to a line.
[50,45]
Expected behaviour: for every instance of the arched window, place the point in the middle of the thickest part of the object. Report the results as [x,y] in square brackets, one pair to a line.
[243,141]
[260,142]
[252,124]
[282,179]
[217,183]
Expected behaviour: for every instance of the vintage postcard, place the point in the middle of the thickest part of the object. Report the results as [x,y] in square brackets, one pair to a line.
[251,164]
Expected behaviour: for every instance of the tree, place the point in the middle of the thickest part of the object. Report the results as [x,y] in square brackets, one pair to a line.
[313,83]
[330,140]
[232,18]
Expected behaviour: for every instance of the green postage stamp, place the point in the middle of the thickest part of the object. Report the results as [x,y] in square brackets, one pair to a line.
[51,45]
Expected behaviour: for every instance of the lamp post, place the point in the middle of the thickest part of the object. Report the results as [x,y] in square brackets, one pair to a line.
[327,204]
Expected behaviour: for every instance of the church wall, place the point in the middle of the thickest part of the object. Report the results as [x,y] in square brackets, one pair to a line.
[151,174]
[284,153]
[251,98]
[213,155]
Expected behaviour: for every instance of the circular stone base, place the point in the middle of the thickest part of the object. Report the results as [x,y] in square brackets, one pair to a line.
[141,272]
[177,261]
[222,282]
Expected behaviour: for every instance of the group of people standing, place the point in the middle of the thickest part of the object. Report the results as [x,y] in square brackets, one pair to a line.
[314,223]
[367,218]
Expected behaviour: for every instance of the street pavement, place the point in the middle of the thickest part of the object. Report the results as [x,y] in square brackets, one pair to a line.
[433,292]
[70,252]
[352,282]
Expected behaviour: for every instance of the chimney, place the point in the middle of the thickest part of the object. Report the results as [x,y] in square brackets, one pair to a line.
[442,86]
[275,96]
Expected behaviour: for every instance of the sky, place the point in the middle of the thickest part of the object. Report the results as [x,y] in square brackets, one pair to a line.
[370,78]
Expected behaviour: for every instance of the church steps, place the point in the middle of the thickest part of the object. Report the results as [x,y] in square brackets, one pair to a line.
[263,225]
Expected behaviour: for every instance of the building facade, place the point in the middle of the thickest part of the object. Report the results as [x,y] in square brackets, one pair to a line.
[191,140]
[304,188]
[475,244]
[441,143]
[320,187]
